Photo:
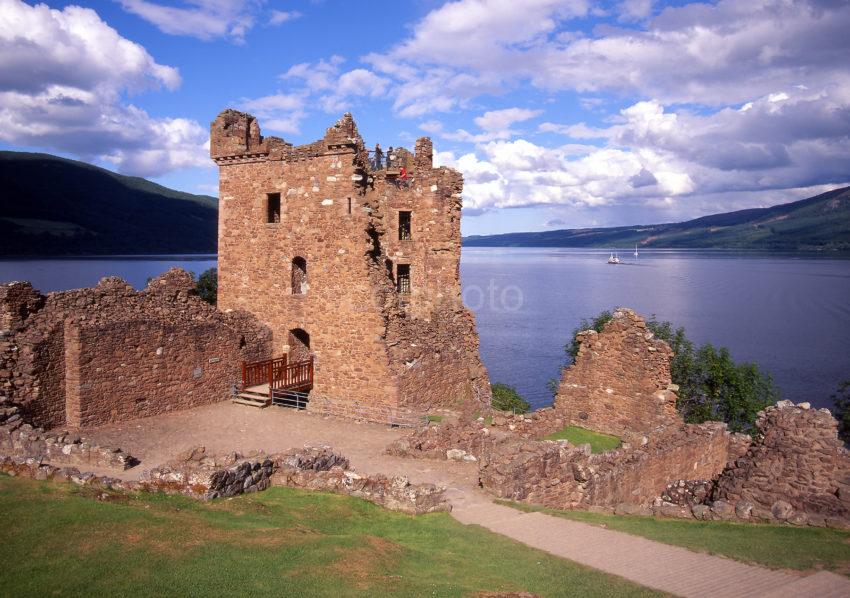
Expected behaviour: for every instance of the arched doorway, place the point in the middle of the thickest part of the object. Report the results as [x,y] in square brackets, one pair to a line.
[299,345]
[299,276]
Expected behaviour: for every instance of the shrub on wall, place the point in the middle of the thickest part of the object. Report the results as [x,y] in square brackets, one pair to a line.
[506,398]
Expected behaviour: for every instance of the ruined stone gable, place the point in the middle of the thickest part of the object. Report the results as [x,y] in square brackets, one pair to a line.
[620,381]
[347,263]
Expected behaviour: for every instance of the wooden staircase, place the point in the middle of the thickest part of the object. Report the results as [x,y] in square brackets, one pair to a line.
[275,381]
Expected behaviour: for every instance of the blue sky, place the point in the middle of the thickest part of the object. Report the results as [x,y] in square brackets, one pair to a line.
[560,113]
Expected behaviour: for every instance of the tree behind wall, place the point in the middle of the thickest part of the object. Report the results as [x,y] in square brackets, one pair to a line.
[712,387]
[207,285]
[841,410]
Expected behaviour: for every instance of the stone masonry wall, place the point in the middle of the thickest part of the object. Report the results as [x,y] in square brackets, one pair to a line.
[109,353]
[620,381]
[558,475]
[796,464]
[371,345]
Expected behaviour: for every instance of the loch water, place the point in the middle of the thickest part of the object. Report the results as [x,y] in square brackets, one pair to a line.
[790,313]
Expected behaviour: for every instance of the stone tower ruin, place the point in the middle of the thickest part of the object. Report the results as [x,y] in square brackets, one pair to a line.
[353,264]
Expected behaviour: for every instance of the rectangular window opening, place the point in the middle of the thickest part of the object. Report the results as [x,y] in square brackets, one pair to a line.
[403,279]
[349,205]
[273,211]
[404,226]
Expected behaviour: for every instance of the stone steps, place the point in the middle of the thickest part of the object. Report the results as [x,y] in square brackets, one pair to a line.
[252,399]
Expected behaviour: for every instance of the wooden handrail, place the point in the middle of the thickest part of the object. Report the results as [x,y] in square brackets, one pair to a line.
[293,376]
[261,372]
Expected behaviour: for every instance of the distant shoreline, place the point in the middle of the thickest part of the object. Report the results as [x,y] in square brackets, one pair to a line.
[113,256]
[626,253]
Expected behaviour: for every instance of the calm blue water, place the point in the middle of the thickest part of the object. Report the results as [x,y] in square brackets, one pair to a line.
[790,314]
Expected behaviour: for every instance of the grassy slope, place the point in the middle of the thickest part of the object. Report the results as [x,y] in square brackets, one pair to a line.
[599,443]
[775,546]
[60,540]
[52,205]
[821,222]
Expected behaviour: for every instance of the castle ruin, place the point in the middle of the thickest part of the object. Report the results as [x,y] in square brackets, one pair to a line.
[87,357]
[351,264]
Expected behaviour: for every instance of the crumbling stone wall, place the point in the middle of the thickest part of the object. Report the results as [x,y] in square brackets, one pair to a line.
[376,351]
[109,353]
[796,466]
[620,381]
[559,475]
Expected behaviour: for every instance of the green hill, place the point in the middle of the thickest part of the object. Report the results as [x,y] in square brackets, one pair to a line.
[817,223]
[54,206]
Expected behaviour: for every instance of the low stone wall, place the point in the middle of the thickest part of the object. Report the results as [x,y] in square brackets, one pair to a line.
[471,438]
[456,441]
[205,477]
[559,475]
[36,469]
[18,439]
[300,470]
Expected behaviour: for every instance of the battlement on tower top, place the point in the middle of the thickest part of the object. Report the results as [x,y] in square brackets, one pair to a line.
[236,137]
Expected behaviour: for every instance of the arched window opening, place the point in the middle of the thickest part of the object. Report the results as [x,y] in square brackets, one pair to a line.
[299,345]
[299,276]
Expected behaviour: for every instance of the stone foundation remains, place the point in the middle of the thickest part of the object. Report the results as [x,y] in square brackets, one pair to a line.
[205,477]
[352,263]
[19,439]
[109,353]
[323,470]
[620,381]
[559,475]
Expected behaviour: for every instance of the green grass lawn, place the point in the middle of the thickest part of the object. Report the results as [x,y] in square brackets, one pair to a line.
[599,443]
[435,418]
[775,546]
[59,539]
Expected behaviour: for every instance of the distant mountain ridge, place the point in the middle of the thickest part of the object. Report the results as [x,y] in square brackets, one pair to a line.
[52,206]
[55,206]
[817,223]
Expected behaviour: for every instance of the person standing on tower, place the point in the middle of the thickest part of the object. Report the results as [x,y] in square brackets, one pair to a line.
[379,157]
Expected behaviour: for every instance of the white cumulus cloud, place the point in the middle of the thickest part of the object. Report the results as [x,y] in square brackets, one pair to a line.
[63,78]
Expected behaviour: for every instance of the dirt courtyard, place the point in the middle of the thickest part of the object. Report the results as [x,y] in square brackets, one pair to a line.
[226,426]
